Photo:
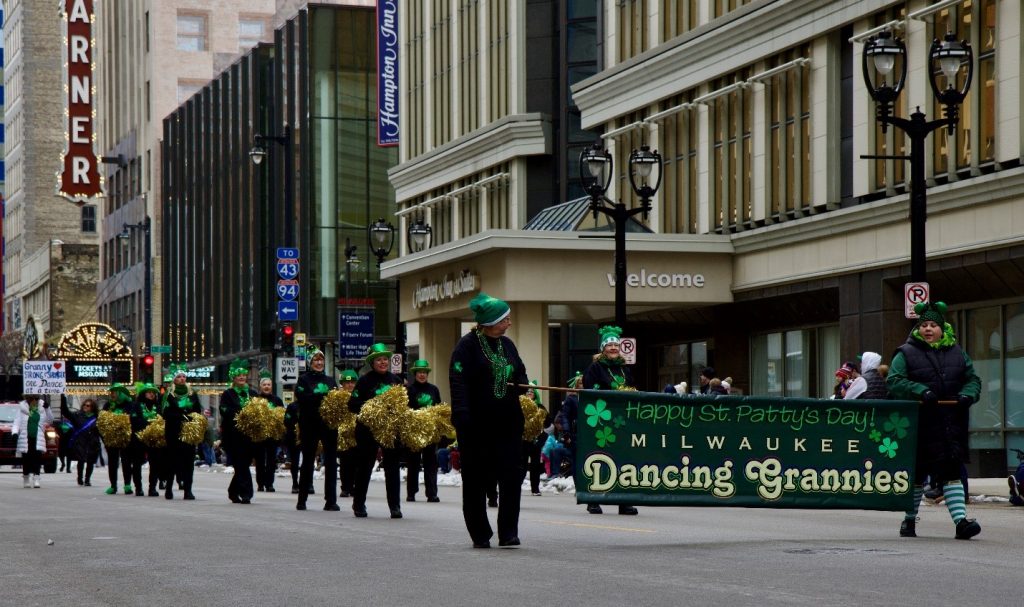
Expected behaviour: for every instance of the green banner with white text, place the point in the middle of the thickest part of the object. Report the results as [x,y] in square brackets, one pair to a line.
[653,449]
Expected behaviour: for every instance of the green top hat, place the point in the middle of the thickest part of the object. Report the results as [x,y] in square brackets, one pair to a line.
[420,365]
[376,351]
[120,389]
[349,375]
[147,387]
[238,367]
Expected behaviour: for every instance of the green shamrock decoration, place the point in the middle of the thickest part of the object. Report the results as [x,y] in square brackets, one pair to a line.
[424,400]
[596,412]
[457,367]
[897,424]
[618,422]
[604,436]
[321,389]
[888,447]
[875,436]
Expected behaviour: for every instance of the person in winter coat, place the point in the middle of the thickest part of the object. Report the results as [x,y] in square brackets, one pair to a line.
[179,402]
[375,381]
[347,458]
[83,438]
[30,429]
[266,451]
[488,420]
[149,402]
[609,372]
[422,394]
[239,447]
[129,458]
[310,390]
[931,367]
[870,383]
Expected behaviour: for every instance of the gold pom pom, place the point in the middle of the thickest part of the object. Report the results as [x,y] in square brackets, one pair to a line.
[277,428]
[153,434]
[382,414]
[115,428]
[625,388]
[194,430]
[533,418]
[347,434]
[257,421]
[442,418]
[334,409]
[417,429]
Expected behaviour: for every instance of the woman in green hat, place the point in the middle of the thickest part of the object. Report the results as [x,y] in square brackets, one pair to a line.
[376,381]
[148,399]
[266,452]
[178,403]
[238,446]
[120,401]
[310,390]
[422,394]
[484,369]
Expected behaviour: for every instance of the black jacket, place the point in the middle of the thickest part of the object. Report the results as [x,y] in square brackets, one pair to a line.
[423,395]
[175,411]
[231,405]
[599,375]
[310,391]
[479,406]
[84,437]
[369,385]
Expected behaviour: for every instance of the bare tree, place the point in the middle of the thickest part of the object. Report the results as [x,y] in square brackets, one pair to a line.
[10,350]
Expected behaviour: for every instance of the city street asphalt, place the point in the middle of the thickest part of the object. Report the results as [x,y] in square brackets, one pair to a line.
[65,544]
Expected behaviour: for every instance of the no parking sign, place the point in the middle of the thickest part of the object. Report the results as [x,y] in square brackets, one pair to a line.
[913,294]
[627,347]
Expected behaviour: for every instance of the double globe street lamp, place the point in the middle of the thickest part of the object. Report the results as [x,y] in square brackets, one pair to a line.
[382,241]
[885,60]
[596,168]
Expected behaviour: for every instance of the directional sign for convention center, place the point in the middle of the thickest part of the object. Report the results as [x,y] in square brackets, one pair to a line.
[287,290]
[287,310]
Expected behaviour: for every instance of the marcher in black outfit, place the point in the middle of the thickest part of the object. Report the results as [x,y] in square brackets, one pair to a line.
[609,371]
[347,469]
[129,458]
[180,456]
[376,381]
[489,420]
[148,400]
[422,394]
[291,421]
[310,391]
[239,447]
[266,451]
[83,438]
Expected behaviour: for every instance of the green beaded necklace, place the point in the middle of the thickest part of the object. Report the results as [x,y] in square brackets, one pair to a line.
[499,365]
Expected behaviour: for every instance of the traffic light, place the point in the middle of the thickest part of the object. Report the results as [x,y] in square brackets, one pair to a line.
[287,336]
[146,368]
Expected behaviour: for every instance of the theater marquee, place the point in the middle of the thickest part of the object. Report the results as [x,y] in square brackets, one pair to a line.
[79,177]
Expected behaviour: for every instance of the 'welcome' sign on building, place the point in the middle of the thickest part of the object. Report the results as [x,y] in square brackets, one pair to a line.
[79,176]
[668,450]
[387,73]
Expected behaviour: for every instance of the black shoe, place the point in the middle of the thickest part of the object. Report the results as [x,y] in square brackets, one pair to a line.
[967,528]
[345,493]
[81,482]
[359,512]
[245,500]
[396,513]
[87,483]
[483,544]
[270,489]
[512,541]
[300,506]
[594,509]
[411,498]
[627,510]
[234,499]
[295,488]
[331,507]
[153,492]
[189,496]
[433,500]
[493,503]
[311,491]
[908,528]
[169,494]
[139,492]
[259,488]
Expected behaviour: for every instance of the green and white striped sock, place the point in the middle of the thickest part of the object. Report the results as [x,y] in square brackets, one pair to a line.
[955,502]
[918,495]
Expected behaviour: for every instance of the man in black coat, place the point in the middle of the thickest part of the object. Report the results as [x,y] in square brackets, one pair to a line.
[376,381]
[422,394]
[238,446]
[310,391]
[489,420]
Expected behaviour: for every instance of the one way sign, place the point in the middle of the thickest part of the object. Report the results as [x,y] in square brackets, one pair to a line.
[287,370]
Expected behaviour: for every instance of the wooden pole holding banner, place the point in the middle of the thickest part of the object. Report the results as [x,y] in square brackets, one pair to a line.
[549,388]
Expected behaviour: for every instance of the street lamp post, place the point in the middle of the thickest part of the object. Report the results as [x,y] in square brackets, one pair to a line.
[595,175]
[125,235]
[258,153]
[946,57]
[382,240]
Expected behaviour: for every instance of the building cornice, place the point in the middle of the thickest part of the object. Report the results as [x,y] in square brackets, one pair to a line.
[493,240]
[711,51]
[511,137]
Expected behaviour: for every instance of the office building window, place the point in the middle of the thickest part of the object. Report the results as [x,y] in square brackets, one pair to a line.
[250,31]
[89,218]
[732,120]
[191,32]
[789,124]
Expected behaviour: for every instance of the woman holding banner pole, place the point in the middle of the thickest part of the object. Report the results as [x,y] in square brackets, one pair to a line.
[932,368]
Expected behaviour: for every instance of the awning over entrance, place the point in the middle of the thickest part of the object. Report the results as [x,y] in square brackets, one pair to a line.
[575,216]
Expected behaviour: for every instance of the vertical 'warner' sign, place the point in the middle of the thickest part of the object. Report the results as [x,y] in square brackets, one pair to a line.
[387,73]
[79,177]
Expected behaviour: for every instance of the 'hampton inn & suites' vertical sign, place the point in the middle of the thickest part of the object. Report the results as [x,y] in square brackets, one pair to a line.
[387,73]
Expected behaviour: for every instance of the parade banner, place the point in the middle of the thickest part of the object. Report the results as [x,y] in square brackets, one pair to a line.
[654,449]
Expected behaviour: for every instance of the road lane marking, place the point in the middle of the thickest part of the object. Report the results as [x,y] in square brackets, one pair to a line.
[592,526]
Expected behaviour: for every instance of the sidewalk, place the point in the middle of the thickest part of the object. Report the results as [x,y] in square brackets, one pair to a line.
[993,489]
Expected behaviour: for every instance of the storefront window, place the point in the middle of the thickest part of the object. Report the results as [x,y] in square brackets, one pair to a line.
[682,362]
[1014,367]
[797,363]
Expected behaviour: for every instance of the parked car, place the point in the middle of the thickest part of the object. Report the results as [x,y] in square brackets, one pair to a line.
[8,445]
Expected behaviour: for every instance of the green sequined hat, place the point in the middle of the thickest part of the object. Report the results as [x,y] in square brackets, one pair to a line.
[168,378]
[610,335]
[376,351]
[119,388]
[238,367]
[420,365]
[487,310]
[349,375]
[146,387]
[314,352]
[933,311]
[178,369]
[265,374]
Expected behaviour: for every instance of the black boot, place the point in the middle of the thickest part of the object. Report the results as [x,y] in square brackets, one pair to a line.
[908,528]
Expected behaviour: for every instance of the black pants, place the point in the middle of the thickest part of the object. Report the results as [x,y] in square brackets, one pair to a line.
[427,459]
[87,468]
[294,452]
[310,434]
[366,459]
[117,459]
[265,454]
[180,464]
[32,461]
[348,459]
[240,451]
[157,466]
[532,464]
[484,460]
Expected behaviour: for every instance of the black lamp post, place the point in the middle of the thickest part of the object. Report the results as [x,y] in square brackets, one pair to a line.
[125,235]
[946,57]
[419,235]
[382,240]
[258,153]
[595,176]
